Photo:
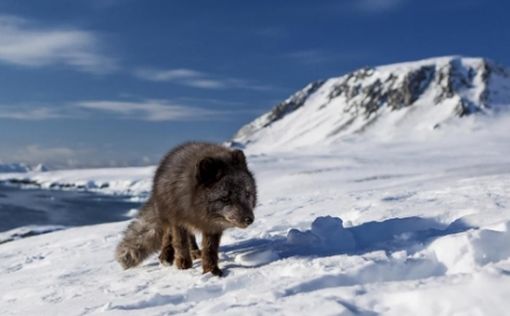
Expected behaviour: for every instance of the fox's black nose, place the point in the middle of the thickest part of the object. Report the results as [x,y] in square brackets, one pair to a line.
[248,220]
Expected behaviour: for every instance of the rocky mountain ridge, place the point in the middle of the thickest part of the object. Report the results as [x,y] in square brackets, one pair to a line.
[421,95]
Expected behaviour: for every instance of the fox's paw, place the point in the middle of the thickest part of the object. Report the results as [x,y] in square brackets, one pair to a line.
[214,270]
[166,257]
[183,263]
[196,254]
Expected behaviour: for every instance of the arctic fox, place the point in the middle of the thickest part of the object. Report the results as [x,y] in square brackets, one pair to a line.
[198,187]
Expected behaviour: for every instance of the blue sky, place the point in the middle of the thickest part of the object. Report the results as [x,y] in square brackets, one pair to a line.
[119,82]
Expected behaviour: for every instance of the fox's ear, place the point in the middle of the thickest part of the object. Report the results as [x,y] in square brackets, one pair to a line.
[210,170]
[238,158]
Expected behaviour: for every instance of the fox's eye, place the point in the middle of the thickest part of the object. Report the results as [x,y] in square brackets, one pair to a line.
[225,199]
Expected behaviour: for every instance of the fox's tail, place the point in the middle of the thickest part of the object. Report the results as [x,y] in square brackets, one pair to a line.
[142,238]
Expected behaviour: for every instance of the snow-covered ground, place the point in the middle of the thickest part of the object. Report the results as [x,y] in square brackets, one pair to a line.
[361,227]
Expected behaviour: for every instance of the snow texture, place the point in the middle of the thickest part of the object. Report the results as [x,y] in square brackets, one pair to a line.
[368,228]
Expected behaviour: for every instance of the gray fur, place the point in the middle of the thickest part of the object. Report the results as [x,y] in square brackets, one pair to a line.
[141,238]
[198,187]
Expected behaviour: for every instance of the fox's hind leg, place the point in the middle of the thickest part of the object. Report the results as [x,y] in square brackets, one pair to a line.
[180,241]
[193,246]
[166,257]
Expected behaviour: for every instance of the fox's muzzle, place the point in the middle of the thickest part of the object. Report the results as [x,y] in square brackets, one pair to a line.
[238,218]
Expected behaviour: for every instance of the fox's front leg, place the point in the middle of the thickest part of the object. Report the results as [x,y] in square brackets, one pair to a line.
[195,252]
[210,246]
[166,257]
[180,242]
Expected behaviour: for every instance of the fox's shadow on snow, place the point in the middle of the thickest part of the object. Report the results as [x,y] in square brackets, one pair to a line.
[327,237]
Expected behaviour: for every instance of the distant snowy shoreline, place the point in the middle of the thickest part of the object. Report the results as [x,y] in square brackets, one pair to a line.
[126,181]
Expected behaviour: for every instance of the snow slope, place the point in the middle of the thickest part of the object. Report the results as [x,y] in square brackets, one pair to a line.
[406,100]
[392,228]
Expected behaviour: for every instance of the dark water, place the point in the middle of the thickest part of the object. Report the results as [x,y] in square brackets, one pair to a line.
[21,207]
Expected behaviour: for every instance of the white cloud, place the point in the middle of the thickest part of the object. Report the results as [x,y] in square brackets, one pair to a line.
[38,153]
[25,44]
[60,157]
[196,79]
[208,84]
[76,156]
[168,75]
[149,110]
[187,77]
[30,114]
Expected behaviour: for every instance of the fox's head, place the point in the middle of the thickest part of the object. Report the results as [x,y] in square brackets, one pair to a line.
[229,189]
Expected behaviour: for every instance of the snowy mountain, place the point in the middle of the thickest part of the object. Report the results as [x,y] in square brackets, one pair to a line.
[14,167]
[388,101]
[21,167]
[40,168]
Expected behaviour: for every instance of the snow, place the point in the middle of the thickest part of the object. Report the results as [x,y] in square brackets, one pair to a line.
[131,181]
[363,227]
[27,231]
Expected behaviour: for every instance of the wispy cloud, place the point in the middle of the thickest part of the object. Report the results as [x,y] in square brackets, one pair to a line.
[310,56]
[78,155]
[145,110]
[197,79]
[38,153]
[319,56]
[30,113]
[377,6]
[149,110]
[55,156]
[187,77]
[25,44]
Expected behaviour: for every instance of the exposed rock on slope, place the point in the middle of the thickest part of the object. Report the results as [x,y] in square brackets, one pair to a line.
[388,100]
